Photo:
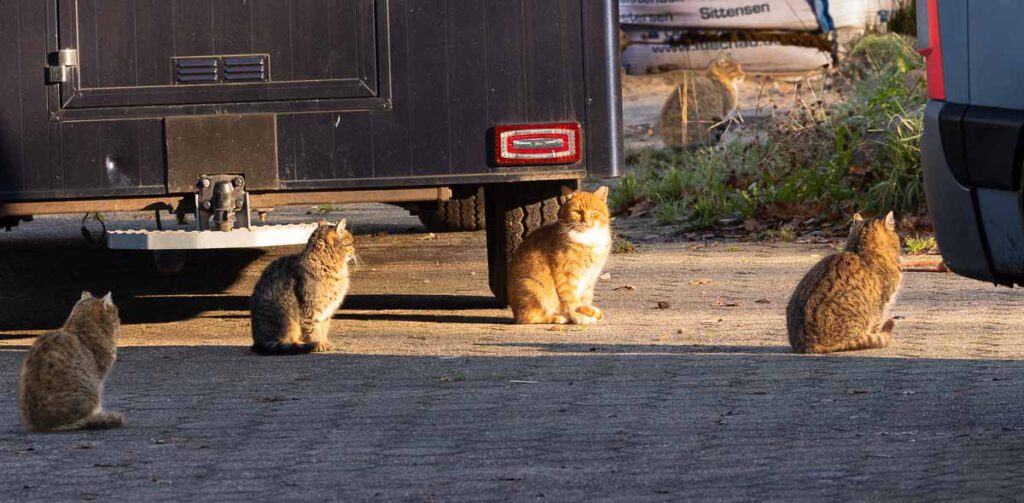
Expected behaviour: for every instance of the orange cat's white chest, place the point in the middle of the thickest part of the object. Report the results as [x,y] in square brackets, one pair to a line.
[599,239]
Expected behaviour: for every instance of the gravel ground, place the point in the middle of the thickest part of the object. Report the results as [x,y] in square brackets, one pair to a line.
[433,395]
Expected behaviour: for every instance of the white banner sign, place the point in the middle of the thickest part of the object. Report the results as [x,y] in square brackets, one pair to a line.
[793,15]
[755,57]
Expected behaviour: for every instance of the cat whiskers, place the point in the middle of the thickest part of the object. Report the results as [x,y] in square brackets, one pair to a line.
[356,262]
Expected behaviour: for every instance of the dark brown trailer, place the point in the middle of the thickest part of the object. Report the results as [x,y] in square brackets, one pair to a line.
[196,106]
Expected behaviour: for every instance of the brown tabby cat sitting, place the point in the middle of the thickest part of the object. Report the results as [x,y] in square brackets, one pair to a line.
[296,296]
[552,274]
[694,113]
[843,302]
[61,385]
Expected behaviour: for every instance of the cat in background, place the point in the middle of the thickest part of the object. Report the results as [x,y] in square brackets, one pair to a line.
[552,273]
[61,383]
[842,303]
[694,112]
[296,296]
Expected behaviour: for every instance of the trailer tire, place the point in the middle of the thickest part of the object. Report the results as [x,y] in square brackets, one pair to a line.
[513,211]
[464,212]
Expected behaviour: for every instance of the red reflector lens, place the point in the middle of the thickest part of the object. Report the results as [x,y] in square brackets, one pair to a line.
[537,144]
[933,55]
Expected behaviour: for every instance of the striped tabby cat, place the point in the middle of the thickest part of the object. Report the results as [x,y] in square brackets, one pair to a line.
[693,114]
[297,295]
[842,303]
[61,384]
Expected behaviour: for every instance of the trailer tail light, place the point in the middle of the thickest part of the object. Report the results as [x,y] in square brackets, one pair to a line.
[933,54]
[537,144]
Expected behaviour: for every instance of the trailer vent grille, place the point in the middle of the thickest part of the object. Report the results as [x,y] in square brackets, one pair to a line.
[245,68]
[220,69]
[196,70]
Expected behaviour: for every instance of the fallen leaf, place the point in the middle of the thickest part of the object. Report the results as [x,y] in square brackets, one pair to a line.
[640,208]
[605,277]
[625,287]
[763,301]
[700,281]
[663,305]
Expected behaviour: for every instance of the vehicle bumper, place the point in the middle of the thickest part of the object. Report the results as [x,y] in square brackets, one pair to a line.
[971,159]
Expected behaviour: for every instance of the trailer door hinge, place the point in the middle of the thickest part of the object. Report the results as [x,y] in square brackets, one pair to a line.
[61,63]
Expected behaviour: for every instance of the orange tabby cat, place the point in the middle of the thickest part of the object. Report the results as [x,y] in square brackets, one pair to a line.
[552,274]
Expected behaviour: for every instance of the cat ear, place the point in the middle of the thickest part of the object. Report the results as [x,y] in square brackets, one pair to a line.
[602,193]
[85,295]
[857,218]
[890,222]
[108,299]
[567,192]
[341,225]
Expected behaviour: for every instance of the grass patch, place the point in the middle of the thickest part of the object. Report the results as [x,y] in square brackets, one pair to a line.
[784,234]
[904,18]
[815,162]
[622,245]
[919,245]
[327,208]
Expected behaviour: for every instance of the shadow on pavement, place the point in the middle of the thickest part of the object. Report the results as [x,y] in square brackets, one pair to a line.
[420,302]
[664,426]
[426,318]
[643,348]
[42,282]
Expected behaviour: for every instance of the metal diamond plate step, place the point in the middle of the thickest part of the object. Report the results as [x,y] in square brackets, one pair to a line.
[255,237]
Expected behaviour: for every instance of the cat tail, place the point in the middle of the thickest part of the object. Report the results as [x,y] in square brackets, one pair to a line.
[876,340]
[284,348]
[101,420]
[104,421]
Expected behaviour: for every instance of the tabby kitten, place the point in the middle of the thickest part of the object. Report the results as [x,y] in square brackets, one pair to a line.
[61,384]
[296,296]
[843,301]
[694,112]
[552,274]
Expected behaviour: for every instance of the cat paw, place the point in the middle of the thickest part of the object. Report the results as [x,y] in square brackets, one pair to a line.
[322,347]
[591,311]
[582,319]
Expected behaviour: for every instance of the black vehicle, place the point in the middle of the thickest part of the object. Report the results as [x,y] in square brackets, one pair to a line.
[215,109]
[971,150]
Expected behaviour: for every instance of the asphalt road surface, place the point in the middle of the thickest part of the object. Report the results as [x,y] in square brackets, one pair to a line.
[432,395]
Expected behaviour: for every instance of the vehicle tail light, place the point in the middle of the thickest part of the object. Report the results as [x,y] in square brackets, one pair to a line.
[537,144]
[933,54]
